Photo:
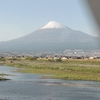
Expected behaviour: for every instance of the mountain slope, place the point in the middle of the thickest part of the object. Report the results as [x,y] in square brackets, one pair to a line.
[52,37]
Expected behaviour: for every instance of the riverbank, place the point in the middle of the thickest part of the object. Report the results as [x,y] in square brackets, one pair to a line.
[71,69]
[2,78]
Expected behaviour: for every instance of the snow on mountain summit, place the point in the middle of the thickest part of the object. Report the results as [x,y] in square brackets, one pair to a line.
[53,24]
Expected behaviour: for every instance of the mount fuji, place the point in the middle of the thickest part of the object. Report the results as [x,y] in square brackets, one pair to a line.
[51,37]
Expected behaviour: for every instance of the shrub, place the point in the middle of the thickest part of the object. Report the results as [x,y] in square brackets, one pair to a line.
[58,60]
[31,58]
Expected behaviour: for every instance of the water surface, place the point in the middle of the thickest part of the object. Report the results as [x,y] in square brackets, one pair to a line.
[24,86]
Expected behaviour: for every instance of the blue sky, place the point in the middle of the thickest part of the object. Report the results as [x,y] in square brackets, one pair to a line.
[21,17]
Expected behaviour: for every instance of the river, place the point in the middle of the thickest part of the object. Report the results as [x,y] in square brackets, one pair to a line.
[24,86]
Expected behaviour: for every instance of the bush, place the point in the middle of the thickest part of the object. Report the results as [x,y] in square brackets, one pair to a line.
[58,60]
[31,58]
[2,59]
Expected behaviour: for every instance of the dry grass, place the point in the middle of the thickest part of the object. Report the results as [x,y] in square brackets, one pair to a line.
[72,69]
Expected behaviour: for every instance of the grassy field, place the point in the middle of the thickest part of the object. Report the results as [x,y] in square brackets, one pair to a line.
[71,69]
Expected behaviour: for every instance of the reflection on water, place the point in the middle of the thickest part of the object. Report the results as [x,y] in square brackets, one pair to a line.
[32,87]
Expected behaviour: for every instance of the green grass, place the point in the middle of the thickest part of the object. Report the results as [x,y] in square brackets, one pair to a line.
[72,69]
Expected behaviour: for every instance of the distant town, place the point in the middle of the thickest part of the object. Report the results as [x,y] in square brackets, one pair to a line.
[67,54]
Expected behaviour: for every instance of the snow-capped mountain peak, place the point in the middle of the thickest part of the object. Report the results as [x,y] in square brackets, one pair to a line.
[53,24]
